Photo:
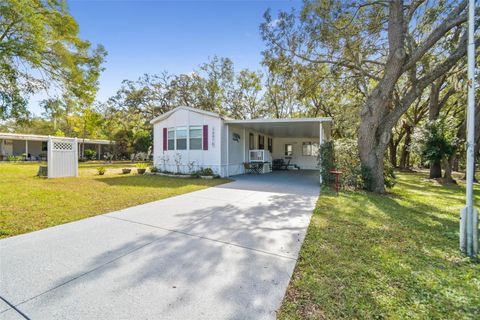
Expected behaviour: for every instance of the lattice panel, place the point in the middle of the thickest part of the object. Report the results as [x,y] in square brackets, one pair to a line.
[62,146]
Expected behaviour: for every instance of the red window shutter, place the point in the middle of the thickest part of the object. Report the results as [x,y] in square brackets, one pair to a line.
[164,139]
[205,137]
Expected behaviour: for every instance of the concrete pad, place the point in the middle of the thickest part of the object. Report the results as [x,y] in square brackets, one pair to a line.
[177,277]
[226,192]
[266,228]
[3,306]
[11,314]
[172,213]
[40,261]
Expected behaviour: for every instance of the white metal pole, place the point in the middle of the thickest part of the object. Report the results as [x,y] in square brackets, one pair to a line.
[320,141]
[228,151]
[468,216]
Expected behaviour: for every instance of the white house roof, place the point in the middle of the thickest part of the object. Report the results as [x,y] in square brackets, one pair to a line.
[291,127]
[169,113]
[287,128]
[37,137]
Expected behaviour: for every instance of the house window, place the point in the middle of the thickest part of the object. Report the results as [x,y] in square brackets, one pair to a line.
[288,150]
[171,139]
[44,146]
[195,137]
[270,144]
[251,141]
[181,138]
[261,142]
[307,149]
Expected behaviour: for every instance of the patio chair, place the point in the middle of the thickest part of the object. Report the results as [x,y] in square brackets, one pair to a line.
[280,164]
[248,168]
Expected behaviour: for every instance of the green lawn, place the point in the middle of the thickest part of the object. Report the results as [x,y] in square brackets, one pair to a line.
[367,256]
[29,203]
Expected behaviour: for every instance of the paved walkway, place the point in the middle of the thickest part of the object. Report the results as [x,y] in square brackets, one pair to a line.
[225,252]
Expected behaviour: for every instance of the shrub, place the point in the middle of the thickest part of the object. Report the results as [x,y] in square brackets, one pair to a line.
[101,170]
[347,160]
[433,143]
[142,165]
[153,169]
[90,154]
[206,172]
[326,161]
[389,175]
[14,158]
[108,157]
[343,156]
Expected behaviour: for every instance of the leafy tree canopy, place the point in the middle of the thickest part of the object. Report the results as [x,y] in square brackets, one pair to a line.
[40,49]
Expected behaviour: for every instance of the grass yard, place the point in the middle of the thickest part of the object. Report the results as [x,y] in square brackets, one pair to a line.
[29,203]
[367,256]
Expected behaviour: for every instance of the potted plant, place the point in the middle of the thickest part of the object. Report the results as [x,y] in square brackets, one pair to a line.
[101,171]
[206,173]
[141,168]
[126,170]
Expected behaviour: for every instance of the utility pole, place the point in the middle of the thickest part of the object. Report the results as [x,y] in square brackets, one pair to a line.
[469,215]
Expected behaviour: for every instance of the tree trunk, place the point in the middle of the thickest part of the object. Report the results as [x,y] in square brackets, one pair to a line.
[404,157]
[435,170]
[447,177]
[372,149]
[456,163]
[433,113]
[377,117]
[393,153]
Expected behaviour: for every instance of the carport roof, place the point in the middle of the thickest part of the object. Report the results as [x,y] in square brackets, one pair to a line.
[287,128]
[37,137]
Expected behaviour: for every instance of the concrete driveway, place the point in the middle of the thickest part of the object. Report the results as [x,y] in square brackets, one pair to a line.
[226,252]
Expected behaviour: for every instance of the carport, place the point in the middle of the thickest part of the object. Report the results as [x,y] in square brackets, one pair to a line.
[294,142]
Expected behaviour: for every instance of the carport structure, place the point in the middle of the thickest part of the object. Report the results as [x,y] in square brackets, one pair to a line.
[296,140]
[34,146]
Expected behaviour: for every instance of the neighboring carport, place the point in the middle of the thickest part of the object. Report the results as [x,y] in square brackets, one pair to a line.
[34,146]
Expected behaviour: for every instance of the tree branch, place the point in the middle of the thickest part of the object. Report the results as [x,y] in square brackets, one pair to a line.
[452,20]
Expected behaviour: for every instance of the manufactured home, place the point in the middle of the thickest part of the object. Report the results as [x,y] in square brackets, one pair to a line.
[188,139]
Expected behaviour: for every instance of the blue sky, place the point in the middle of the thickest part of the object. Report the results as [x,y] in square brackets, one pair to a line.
[176,36]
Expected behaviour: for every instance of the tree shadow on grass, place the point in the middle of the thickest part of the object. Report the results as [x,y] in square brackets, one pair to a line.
[383,256]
